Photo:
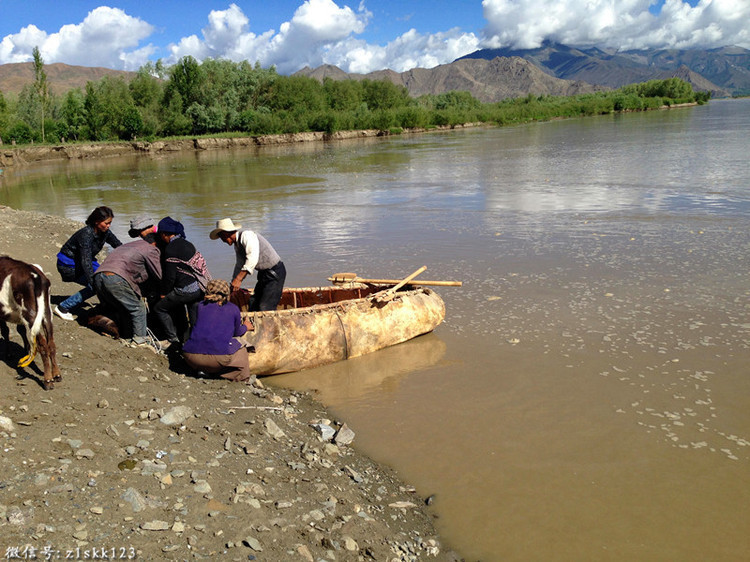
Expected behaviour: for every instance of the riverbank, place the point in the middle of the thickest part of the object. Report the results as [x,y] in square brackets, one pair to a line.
[131,455]
[20,156]
[15,157]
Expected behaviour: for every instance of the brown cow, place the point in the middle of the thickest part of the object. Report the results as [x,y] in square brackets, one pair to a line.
[24,300]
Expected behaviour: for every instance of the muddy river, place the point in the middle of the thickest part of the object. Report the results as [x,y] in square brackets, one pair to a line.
[588,396]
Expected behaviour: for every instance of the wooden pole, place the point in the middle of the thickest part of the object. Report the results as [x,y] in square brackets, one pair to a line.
[352,278]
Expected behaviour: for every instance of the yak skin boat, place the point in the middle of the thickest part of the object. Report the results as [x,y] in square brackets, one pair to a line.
[316,326]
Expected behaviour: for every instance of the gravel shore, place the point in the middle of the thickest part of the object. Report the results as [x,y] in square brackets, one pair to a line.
[133,456]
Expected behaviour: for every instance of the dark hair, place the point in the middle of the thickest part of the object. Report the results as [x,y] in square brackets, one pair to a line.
[98,215]
[151,238]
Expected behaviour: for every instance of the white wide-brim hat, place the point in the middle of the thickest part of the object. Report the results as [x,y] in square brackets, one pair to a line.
[223,225]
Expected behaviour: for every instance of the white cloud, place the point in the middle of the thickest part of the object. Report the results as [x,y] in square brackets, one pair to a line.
[320,32]
[622,24]
[107,37]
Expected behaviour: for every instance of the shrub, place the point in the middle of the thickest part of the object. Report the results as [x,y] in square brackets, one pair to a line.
[382,120]
[412,117]
[20,132]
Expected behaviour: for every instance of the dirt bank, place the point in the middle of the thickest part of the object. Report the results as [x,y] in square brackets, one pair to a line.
[20,156]
[131,455]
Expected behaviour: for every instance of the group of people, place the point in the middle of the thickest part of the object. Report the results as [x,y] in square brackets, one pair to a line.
[162,271]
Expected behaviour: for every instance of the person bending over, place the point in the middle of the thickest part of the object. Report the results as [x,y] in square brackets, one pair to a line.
[119,280]
[253,251]
[179,285]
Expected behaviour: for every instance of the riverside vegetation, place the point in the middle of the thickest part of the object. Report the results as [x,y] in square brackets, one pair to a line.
[221,97]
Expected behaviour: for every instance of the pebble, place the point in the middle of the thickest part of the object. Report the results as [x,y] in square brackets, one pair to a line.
[202,487]
[177,415]
[344,436]
[155,525]
[253,543]
[6,424]
[325,431]
[273,430]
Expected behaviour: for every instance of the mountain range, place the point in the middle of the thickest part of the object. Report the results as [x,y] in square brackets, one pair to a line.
[494,74]
[554,69]
[487,80]
[725,70]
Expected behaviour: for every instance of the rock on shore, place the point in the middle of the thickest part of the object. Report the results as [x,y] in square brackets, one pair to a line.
[132,456]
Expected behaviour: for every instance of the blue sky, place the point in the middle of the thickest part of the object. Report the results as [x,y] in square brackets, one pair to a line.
[357,36]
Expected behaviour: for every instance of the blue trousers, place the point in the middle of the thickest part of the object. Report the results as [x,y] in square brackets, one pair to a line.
[114,291]
[80,297]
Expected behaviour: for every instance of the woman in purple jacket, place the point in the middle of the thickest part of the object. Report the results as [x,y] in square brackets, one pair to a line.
[213,346]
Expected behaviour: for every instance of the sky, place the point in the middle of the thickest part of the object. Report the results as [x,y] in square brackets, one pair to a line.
[357,36]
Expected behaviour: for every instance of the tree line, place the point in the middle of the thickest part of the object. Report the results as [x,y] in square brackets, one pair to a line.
[221,97]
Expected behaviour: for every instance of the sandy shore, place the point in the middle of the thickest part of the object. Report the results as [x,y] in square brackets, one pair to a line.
[132,456]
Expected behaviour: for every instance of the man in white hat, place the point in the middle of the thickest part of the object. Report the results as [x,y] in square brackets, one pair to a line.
[253,252]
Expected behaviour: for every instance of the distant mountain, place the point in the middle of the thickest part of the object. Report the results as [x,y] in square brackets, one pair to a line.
[60,77]
[487,80]
[722,71]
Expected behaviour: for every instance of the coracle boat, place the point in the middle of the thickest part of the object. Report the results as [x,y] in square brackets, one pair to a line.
[316,326]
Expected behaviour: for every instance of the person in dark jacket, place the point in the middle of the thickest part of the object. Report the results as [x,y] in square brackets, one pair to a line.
[179,286]
[214,346]
[76,261]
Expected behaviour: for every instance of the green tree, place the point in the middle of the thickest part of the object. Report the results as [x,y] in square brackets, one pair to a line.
[132,122]
[4,118]
[220,96]
[174,122]
[94,113]
[147,91]
[382,94]
[296,93]
[343,95]
[73,115]
[456,100]
[206,119]
[28,111]
[187,80]
[254,83]
[110,110]
[145,88]
[41,87]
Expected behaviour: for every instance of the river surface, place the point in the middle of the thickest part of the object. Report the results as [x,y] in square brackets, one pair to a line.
[588,396]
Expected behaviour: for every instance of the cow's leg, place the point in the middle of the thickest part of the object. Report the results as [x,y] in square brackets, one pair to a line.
[5,335]
[52,349]
[43,346]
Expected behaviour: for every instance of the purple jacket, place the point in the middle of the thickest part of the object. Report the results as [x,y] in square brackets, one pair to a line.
[215,329]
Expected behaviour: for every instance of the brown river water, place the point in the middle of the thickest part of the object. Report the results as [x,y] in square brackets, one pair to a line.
[588,396]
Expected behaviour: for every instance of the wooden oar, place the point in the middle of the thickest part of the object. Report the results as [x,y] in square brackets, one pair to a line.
[353,278]
[388,294]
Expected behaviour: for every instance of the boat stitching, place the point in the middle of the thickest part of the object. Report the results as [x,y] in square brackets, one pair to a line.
[343,331]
